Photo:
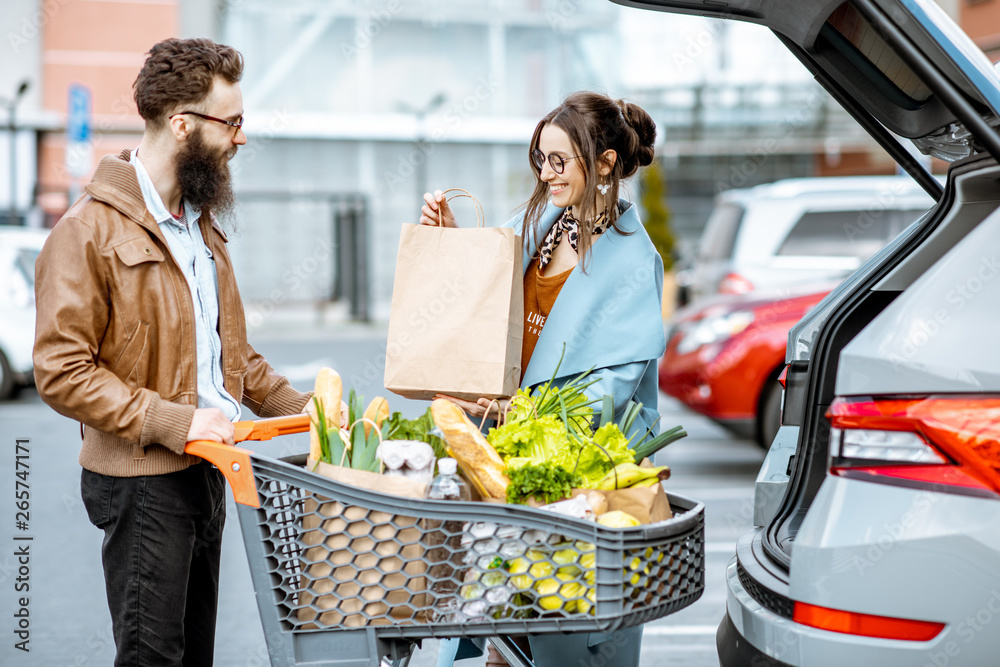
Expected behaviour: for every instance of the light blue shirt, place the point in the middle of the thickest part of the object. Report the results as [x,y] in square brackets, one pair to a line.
[195,259]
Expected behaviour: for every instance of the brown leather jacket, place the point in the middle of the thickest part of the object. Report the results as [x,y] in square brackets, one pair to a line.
[115,332]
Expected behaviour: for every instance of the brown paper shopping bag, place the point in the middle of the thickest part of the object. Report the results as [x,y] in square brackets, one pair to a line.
[360,566]
[457,317]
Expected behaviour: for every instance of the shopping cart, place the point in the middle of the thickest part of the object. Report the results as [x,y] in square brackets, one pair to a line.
[348,577]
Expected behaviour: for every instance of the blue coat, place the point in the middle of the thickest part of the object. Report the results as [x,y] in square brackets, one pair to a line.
[609,318]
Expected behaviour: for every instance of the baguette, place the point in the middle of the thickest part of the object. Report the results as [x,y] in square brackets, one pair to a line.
[329,390]
[315,451]
[377,411]
[478,460]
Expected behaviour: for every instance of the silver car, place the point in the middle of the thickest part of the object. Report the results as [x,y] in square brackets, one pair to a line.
[878,505]
[792,231]
[18,249]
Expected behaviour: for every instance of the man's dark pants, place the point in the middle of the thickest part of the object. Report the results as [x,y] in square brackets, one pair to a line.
[162,542]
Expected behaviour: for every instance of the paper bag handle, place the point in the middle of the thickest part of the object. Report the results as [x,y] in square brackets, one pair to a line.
[481,219]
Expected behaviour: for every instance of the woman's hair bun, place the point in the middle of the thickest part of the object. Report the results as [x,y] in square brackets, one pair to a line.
[645,130]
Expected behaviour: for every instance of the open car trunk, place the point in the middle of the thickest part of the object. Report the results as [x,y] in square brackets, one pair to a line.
[904,71]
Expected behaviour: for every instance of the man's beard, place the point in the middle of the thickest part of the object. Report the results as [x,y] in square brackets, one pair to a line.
[204,178]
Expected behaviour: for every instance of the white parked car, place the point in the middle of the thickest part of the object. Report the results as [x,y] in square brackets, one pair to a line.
[800,230]
[19,247]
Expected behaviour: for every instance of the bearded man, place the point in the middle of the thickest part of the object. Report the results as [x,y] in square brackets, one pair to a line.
[141,337]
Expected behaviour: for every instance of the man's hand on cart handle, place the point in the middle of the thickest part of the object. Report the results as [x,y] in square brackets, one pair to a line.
[211,424]
[345,413]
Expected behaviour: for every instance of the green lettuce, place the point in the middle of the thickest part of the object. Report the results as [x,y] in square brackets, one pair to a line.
[608,448]
[546,441]
[542,440]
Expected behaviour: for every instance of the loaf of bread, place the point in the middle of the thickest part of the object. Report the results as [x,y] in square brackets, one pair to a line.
[329,390]
[479,462]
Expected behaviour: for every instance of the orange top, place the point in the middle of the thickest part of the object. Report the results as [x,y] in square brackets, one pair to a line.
[540,294]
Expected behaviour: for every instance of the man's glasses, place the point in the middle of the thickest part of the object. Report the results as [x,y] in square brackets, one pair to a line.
[557,162]
[238,123]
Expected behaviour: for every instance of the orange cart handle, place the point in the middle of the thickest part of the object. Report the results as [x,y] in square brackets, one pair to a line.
[265,429]
[234,462]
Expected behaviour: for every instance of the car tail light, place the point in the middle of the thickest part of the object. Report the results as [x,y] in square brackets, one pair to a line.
[783,378]
[866,625]
[734,283]
[941,443]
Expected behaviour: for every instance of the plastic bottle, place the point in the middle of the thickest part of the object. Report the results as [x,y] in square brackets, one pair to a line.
[445,555]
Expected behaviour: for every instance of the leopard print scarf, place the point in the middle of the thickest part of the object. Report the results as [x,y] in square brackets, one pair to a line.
[567,223]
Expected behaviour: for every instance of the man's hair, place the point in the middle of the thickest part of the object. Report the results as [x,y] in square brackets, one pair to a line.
[180,72]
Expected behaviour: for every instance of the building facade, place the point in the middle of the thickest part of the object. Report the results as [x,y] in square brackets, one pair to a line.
[356,107]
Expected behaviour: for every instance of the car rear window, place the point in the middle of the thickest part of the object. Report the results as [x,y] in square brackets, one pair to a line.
[846,233]
[719,238]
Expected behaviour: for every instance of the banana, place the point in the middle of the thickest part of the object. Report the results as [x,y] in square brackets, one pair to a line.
[628,474]
[649,481]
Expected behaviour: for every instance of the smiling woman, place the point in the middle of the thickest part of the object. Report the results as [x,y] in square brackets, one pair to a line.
[592,278]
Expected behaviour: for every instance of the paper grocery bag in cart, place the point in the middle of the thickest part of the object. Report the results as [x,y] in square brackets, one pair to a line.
[457,317]
[361,566]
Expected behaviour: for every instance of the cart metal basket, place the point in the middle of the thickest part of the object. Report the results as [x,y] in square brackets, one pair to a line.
[346,576]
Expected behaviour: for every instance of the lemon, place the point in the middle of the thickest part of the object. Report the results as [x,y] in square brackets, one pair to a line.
[617,519]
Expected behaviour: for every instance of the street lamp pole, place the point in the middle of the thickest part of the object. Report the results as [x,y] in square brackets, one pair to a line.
[12,133]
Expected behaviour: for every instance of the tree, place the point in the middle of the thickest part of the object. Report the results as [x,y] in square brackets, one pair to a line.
[656,214]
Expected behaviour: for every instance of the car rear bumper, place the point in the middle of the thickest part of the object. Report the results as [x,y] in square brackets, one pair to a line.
[873,549]
[758,636]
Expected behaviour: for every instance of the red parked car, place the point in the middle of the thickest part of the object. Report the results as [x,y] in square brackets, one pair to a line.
[725,353]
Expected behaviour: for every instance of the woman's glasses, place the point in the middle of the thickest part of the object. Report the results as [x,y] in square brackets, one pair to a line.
[557,162]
